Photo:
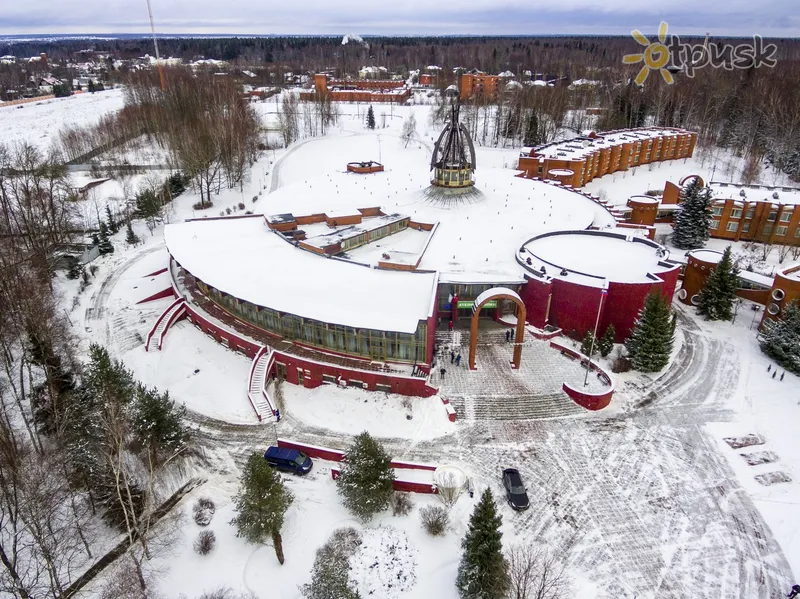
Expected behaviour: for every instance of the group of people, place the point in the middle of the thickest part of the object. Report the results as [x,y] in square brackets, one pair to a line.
[774,372]
[455,358]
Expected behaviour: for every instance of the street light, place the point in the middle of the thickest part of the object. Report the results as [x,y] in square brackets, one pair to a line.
[594,336]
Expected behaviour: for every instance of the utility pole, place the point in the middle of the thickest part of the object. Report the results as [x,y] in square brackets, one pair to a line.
[594,336]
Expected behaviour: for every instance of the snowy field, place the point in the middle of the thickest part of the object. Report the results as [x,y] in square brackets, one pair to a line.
[39,123]
[644,501]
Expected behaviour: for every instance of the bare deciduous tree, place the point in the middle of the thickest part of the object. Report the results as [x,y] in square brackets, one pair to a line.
[536,574]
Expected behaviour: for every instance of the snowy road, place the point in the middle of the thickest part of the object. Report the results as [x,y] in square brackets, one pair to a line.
[642,502]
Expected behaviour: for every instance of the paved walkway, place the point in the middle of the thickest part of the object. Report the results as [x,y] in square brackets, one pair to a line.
[496,391]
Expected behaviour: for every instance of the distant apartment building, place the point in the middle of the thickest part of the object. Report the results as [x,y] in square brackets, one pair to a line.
[755,213]
[362,90]
[479,85]
[579,160]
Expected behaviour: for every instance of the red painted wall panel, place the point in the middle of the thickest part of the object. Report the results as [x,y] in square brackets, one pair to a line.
[535,295]
[574,307]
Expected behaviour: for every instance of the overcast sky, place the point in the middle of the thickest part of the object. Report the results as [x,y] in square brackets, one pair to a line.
[488,17]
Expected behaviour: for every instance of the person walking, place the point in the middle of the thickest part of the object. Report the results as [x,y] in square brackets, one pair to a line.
[783,374]
[450,325]
[452,356]
[441,372]
[769,368]
[507,337]
[458,360]
[774,373]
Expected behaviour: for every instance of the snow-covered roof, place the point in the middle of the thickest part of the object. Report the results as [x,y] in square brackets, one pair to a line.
[578,147]
[243,258]
[477,236]
[721,191]
[710,256]
[598,255]
[580,82]
[756,278]
[643,199]
[793,273]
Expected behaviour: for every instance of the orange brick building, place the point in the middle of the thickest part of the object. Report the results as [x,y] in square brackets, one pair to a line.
[785,290]
[479,85]
[361,90]
[595,155]
[756,213]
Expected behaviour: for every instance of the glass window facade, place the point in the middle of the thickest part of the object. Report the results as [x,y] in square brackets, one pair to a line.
[366,343]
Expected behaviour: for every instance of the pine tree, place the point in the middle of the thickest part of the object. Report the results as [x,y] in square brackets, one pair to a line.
[650,343]
[483,572]
[693,219]
[606,343]
[95,240]
[261,504]
[532,135]
[366,480]
[780,338]
[370,118]
[131,238]
[157,423]
[589,344]
[75,268]
[105,243]
[112,224]
[719,292]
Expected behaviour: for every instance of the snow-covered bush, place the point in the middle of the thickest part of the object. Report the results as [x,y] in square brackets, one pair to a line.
[203,511]
[435,519]
[401,504]
[329,574]
[205,542]
[621,362]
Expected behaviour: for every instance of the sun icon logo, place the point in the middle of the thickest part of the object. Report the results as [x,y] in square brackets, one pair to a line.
[655,55]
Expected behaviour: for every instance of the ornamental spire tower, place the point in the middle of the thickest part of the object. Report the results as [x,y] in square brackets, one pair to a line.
[453,160]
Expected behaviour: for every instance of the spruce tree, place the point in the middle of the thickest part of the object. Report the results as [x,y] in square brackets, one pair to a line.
[370,118]
[483,572]
[157,423]
[693,219]
[366,482]
[589,344]
[112,224]
[105,243]
[650,343]
[131,238]
[780,338]
[719,292]
[532,135]
[261,504]
[75,268]
[606,343]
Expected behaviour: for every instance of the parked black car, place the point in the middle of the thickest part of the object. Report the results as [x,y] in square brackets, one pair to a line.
[516,494]
[289,460]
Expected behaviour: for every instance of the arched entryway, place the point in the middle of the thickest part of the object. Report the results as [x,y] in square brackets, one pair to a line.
[497,293]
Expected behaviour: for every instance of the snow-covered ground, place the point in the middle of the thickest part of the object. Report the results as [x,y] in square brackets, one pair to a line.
[646,500]
[39,123]
[382,414]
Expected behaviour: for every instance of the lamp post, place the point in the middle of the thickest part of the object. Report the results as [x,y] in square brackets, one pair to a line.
[594,336]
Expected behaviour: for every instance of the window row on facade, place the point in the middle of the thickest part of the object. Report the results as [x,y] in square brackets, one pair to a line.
[367,343]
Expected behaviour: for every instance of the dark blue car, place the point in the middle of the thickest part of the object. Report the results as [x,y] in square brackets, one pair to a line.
[289,460]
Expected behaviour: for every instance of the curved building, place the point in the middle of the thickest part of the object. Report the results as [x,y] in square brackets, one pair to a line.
[579,279]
